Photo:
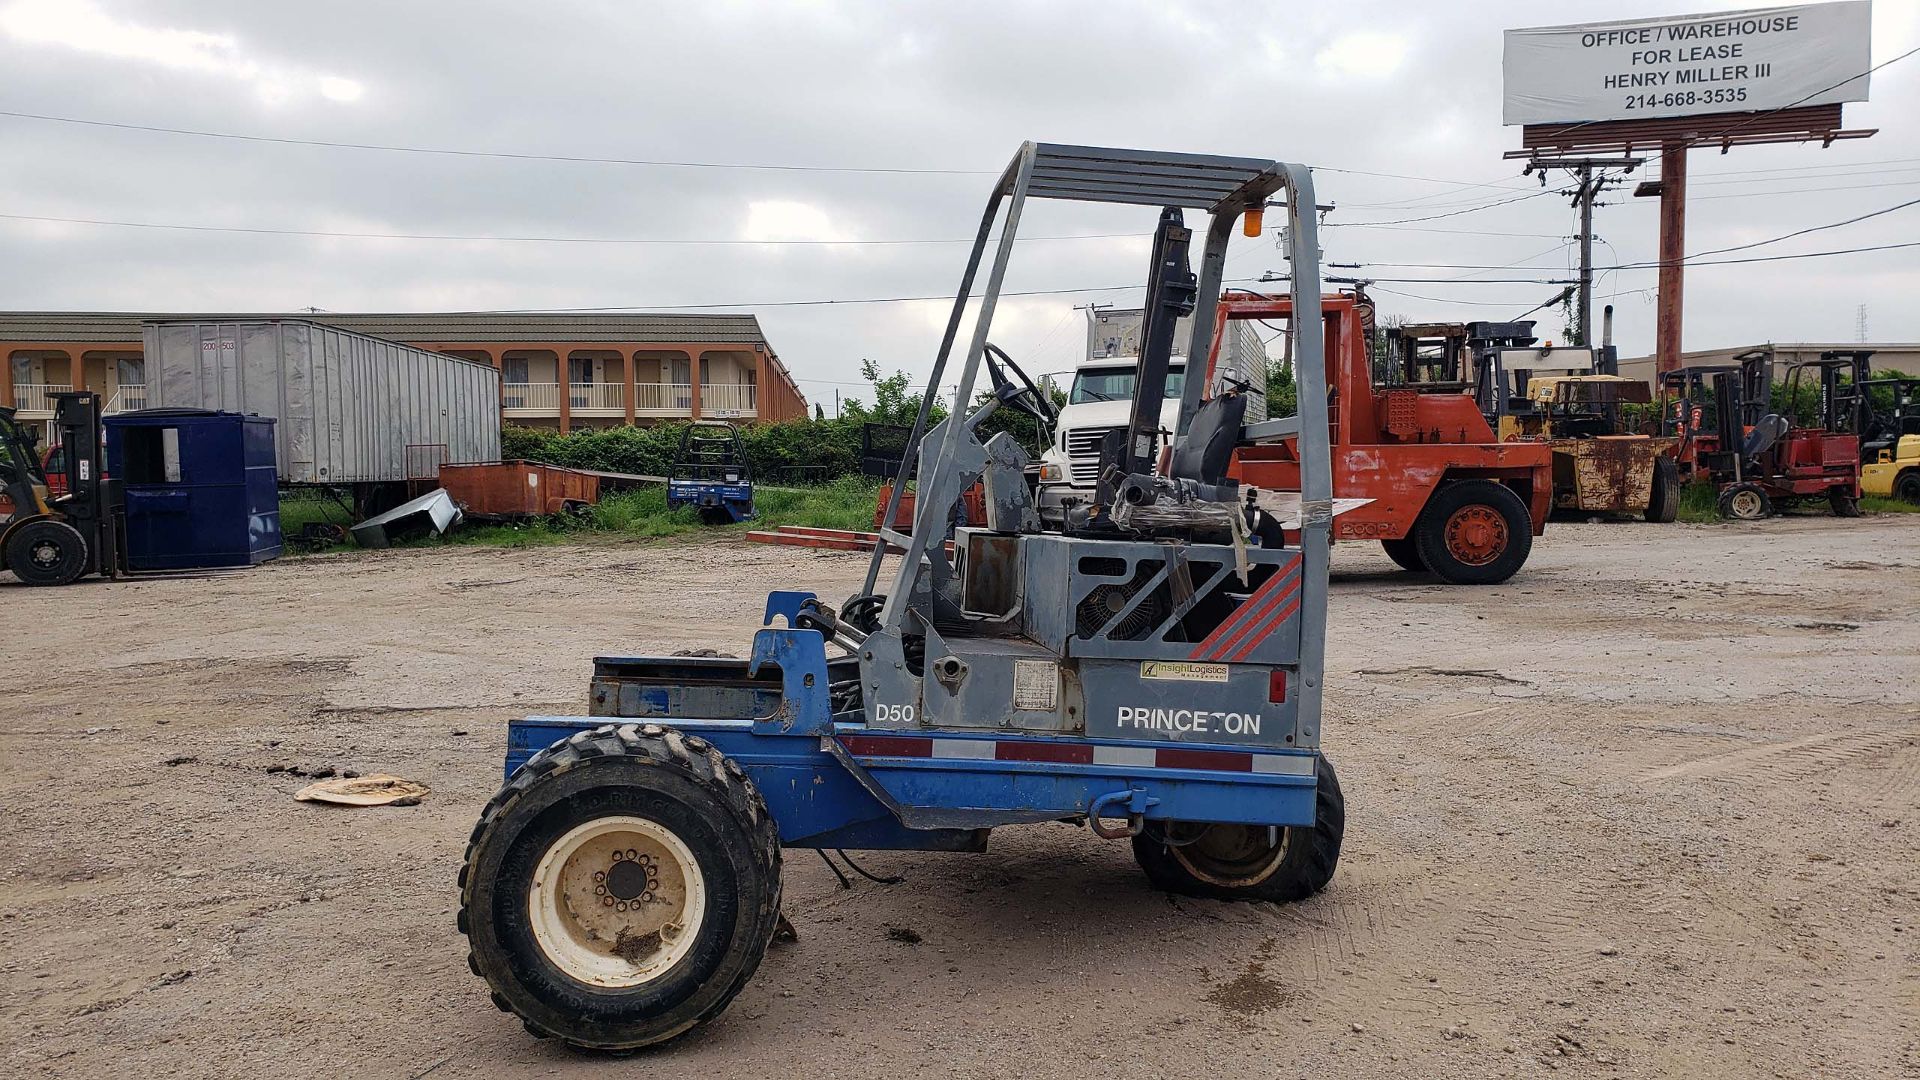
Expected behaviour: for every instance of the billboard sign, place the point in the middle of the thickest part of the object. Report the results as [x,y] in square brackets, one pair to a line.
[1688,65]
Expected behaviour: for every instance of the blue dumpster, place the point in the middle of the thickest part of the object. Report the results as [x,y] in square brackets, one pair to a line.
[201,487]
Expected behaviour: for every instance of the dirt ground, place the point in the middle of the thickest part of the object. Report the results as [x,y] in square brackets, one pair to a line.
[1650,809]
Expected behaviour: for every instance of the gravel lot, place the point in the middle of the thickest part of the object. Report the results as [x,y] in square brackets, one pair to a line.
[1650,809]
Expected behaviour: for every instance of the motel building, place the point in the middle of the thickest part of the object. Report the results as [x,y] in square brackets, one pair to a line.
[561,372]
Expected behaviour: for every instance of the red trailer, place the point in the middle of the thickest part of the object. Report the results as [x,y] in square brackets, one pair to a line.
[518,489]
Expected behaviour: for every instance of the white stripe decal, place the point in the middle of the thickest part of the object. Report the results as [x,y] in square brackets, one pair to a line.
[970,749]
[1139,756]
[1283,764]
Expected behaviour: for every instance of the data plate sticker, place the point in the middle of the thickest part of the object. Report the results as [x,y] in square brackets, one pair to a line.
[1036,685]
[1183,671]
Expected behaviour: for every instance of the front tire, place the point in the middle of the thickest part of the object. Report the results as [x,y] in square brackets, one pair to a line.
[1745,502]
[1474,532]
[47,551]
[621,888]
[1843,503]
[1250,862]
[1907,488]
[1663,501]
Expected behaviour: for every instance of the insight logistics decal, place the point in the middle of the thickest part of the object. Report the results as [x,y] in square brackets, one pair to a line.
[1686,65]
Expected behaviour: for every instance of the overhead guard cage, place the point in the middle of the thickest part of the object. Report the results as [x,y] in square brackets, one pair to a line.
[1226,188]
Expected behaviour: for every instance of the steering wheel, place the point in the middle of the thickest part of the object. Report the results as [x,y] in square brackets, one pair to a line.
[1024,395]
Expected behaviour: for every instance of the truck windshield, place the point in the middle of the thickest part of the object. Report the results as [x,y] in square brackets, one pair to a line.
[1116,384]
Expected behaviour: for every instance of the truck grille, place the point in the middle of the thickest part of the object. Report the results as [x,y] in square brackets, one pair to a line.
[1083,455]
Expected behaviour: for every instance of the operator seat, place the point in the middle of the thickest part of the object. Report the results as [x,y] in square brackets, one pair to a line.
[1211,436]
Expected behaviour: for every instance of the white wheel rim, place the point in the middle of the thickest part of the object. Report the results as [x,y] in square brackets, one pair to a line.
[617,902]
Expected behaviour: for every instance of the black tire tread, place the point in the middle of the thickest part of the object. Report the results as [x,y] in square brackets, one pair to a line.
[661,746]
[1663,502]
[1454,495]
[1307,868]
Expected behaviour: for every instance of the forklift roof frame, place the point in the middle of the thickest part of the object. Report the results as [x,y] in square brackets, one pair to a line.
[1225,187]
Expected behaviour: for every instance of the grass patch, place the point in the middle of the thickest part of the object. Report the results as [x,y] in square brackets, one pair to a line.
[846,503]
[1885,504]
[1699,504]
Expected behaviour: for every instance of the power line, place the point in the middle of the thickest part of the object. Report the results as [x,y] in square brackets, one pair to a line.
[1436,217]
[396,148]
[392,148]
[647,308]
[1773,258]
[1813,229]
[1756,117]
[530,239]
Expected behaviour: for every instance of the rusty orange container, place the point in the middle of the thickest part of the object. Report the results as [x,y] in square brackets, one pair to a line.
[975,500]
[518,489]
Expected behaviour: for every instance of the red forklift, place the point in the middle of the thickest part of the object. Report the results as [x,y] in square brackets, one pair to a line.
[1442,494]
[1761,460]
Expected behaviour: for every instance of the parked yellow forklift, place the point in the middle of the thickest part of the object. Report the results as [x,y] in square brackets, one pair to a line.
[1890,448]
[57,539]
[1564,397]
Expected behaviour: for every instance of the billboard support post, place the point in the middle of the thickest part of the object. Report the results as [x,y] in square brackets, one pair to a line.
[1673,254]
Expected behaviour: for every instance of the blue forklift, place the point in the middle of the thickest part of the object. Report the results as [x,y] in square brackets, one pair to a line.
[710,474]
[1152,671]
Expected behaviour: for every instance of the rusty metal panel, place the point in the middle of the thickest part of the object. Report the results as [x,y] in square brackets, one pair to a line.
[514,489]
[1403,413]
[1806,123]
[1607,474]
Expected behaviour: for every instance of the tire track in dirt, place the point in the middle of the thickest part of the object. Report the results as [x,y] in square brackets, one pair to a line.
[1790,757]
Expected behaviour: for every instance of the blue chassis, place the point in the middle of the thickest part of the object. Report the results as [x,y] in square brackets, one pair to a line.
[822,795]
[735,499]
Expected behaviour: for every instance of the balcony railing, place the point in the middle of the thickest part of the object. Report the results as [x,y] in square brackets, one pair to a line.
[128,398]
[37,397]
[597,397]
[727,399]
[538,397]
[672,398]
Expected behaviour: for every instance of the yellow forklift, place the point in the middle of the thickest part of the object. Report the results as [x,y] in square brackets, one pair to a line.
[1570,398]
[57,539]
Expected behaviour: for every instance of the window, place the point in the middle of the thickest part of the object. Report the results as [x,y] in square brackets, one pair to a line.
[1116,384]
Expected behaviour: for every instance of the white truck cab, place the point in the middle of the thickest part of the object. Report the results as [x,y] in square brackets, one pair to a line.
[1101,398]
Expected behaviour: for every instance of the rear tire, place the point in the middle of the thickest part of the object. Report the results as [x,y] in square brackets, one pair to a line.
[47,551]
[1907,487]
[1663,501]
[1745,502]
[1473,532]
[621,815]
[1843,504]
[1405,553]
[1237,862]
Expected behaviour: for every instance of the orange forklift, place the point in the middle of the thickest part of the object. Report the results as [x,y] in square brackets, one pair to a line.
[1445,496]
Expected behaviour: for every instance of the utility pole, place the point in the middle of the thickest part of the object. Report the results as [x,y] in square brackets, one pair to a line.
[1588,189]
[1584,196]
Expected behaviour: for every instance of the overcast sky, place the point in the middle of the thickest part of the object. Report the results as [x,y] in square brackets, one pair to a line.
[1410,88]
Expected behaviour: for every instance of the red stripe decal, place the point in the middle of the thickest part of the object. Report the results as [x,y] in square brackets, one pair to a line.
[1246,610]
[1066,753]
[1211,760]
[1258,616]
[887,746]
[1271,625]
